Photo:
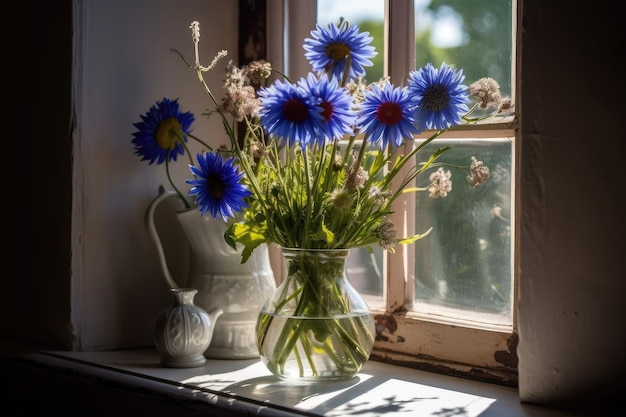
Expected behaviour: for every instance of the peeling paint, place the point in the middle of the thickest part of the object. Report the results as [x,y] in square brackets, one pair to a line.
[500,376]
[508,358]
[386,326]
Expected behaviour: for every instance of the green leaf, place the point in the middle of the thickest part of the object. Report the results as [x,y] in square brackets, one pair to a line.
[411,239]
[249,236]
[413,190]
[324,234]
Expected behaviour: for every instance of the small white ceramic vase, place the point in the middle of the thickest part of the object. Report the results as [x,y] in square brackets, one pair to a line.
[183,331]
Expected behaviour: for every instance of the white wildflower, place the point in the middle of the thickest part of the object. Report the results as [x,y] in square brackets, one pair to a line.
[479,173]
[441,183]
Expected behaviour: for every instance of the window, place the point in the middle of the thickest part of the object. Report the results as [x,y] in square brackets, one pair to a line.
[448,300]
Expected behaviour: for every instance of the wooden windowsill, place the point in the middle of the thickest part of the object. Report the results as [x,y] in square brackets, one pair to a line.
[245,387]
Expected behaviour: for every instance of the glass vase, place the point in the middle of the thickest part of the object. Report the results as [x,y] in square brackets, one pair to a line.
[315,327]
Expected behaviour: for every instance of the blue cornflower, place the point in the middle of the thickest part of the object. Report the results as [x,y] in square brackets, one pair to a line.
[332,48]
[218,186]
[387,113]
[336,106]
[440,96]
[290,113]
[162,129]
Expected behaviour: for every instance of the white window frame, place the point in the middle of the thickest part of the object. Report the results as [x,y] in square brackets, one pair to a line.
[429,341]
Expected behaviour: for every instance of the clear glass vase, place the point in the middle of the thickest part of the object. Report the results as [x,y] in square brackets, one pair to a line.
[315,327]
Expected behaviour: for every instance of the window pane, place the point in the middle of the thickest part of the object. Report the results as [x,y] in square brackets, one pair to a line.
[465,263]
[473,35]
[365,272]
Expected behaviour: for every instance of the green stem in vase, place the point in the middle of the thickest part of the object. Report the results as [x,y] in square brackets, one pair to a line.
[309,355]
[290,335]
[266,321]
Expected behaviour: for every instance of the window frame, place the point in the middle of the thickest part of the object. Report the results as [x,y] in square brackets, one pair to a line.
[423,341]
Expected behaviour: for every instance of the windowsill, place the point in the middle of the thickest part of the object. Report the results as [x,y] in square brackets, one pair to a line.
[245,387]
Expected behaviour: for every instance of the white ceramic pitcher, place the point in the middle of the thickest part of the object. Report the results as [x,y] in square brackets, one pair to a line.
[193,253]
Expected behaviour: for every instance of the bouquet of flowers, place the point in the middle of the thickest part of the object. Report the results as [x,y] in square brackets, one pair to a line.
[318,165]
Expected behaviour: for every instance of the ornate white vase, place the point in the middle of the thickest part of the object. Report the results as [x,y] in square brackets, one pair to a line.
[183,331]
[192,249]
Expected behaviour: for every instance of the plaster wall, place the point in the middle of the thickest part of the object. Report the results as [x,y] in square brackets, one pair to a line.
[124,65]
[571,309]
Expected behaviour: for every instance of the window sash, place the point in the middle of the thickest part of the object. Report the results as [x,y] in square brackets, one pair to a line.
[422,340]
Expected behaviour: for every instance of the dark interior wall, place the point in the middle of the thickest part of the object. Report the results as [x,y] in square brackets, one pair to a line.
[252,31]
[571,308]
[38,282]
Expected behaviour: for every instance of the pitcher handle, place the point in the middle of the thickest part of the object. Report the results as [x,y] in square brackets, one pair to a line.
[154,235]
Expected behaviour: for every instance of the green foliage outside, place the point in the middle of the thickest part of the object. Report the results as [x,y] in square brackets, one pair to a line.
[484,52]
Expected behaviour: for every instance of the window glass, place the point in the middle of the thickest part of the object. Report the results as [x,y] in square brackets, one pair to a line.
[463,269]
[473,35]
[464,264]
